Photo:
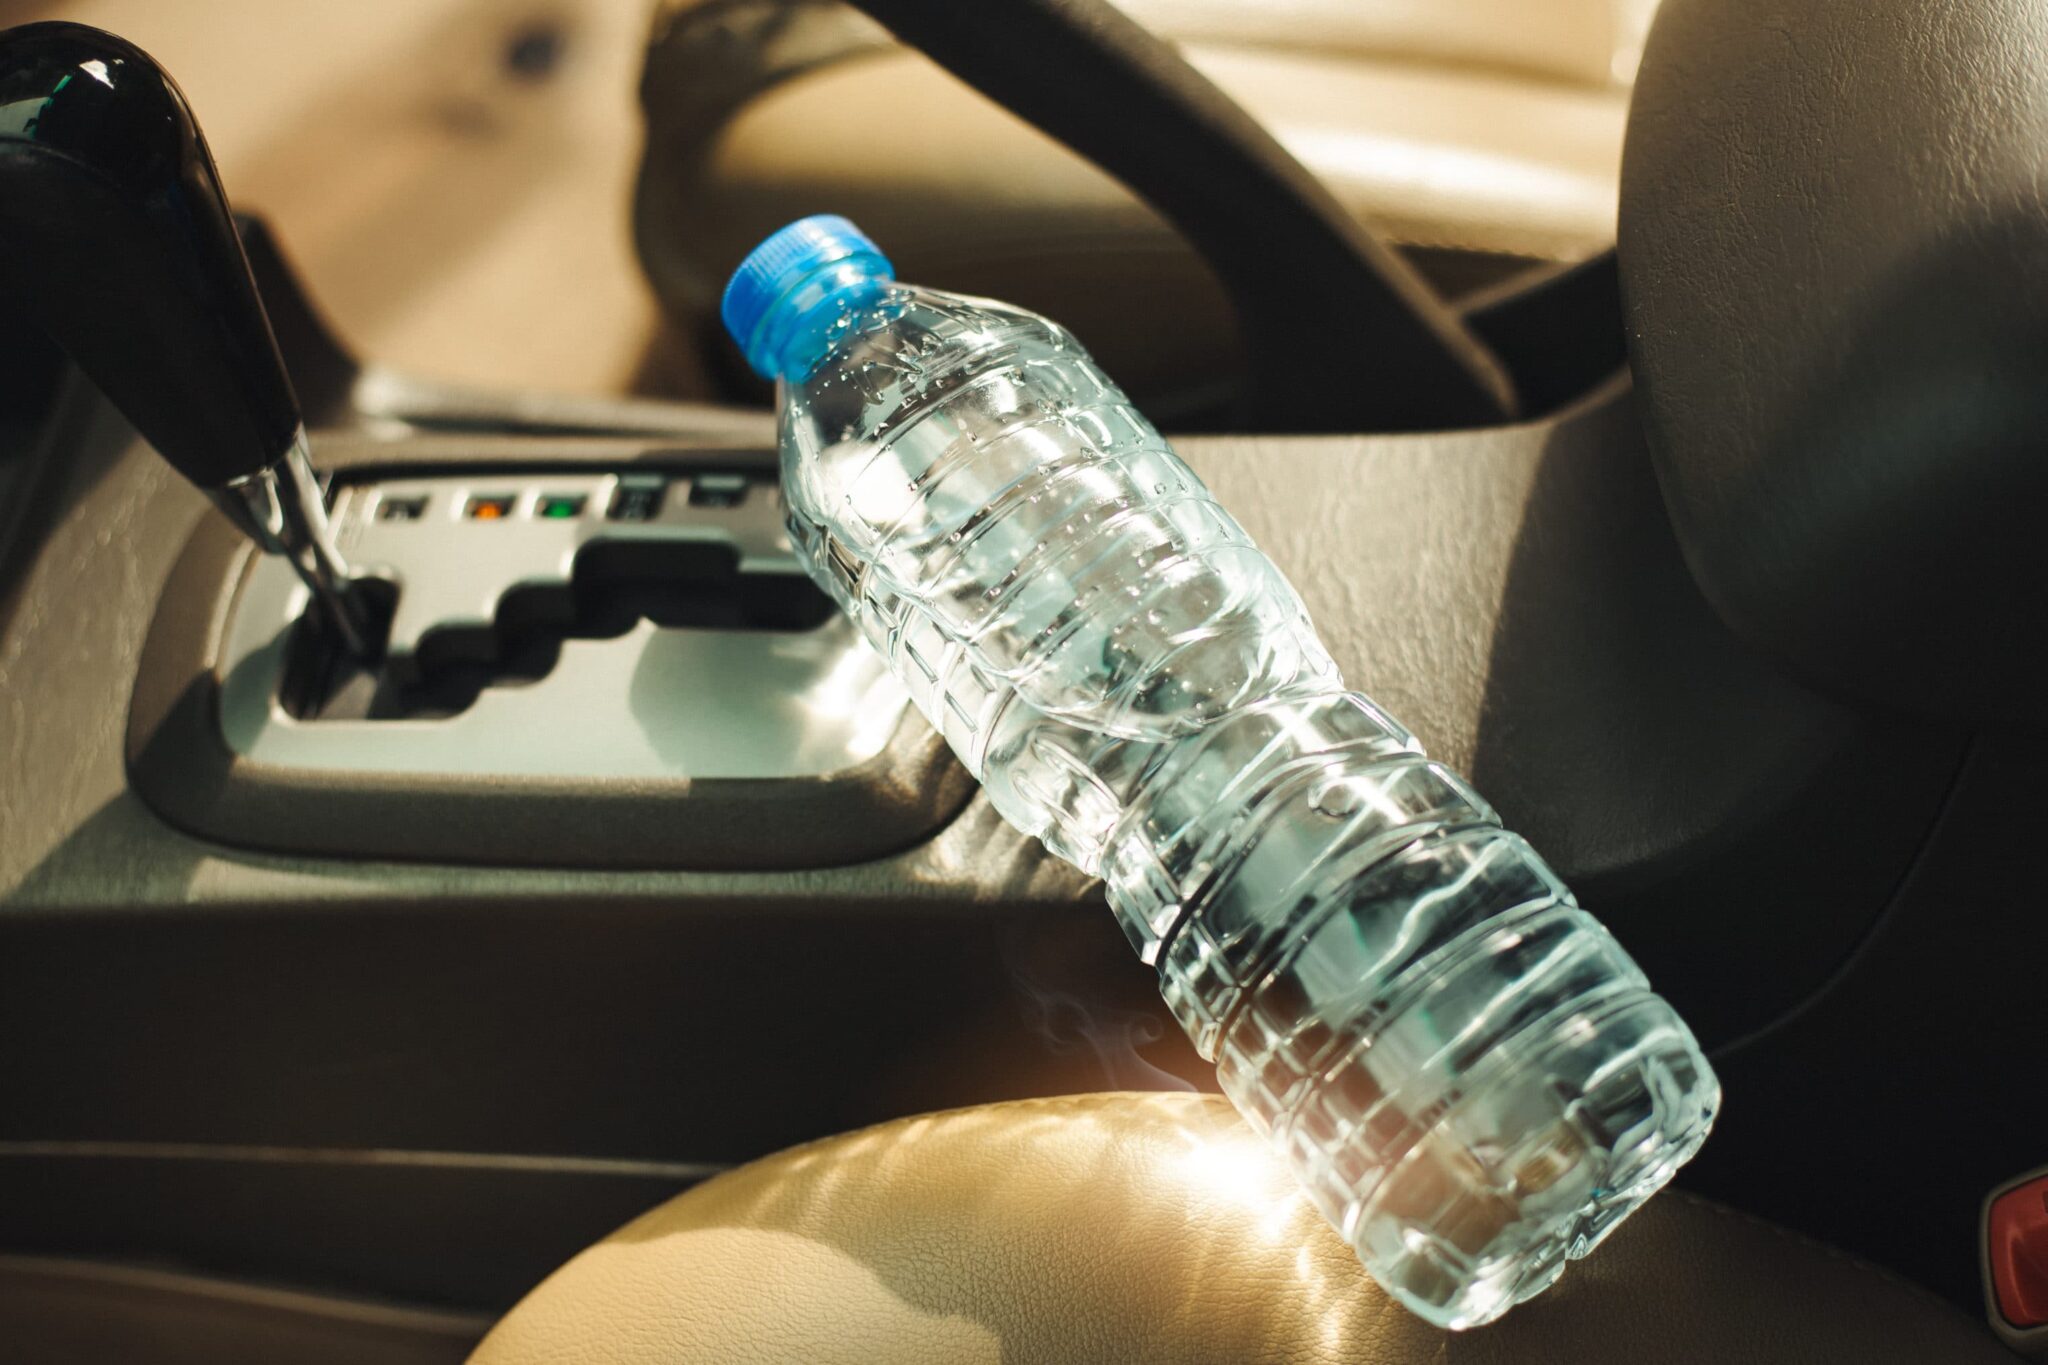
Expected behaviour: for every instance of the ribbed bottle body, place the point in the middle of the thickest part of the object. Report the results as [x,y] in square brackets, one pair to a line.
[1469,1075]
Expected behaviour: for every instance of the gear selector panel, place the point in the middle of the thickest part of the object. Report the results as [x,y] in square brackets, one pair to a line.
[615,624]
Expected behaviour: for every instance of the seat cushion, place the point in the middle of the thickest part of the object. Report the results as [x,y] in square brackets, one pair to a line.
[1148,1227]
[1480,135]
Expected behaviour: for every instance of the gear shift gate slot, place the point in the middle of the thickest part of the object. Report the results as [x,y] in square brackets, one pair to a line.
[535,629]
[613,587]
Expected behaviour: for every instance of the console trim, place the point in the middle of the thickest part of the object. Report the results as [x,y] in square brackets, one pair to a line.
[783,697]
[183,767]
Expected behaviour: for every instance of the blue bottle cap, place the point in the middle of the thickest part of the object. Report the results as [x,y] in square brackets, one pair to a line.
[769,280]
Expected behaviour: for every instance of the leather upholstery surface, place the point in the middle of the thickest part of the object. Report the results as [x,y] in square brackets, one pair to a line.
[1150,1227]
[1481,134]
[1834,255]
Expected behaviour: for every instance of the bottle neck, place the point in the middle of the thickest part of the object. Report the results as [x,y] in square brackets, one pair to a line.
[797,330]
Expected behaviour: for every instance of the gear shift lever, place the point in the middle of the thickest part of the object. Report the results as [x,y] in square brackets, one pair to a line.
[115,236]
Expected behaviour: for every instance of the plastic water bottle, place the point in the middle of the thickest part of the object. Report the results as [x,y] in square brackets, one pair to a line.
[1469,1076]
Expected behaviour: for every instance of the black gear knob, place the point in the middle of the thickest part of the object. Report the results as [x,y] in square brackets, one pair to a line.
[115,237]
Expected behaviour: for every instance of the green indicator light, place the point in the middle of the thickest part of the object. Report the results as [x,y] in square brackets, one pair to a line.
[561,506]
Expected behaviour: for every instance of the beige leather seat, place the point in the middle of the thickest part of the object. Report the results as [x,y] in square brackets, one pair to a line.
[1481,135]
[1136,1228]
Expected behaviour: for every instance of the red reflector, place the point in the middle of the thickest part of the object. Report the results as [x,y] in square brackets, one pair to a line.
[2017,1231]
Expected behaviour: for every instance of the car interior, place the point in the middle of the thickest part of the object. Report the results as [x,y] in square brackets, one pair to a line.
[567,942]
